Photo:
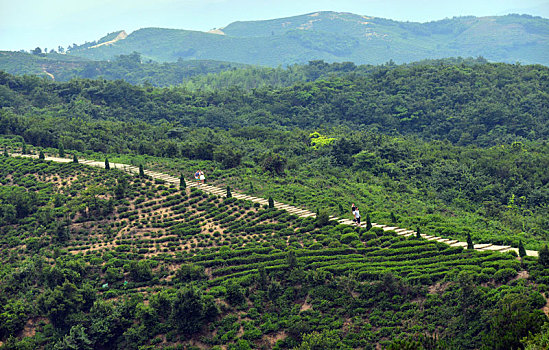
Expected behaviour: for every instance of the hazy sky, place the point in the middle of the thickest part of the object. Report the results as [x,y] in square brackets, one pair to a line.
[26,24]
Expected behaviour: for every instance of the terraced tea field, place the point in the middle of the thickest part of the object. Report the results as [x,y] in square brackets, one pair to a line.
[268,270]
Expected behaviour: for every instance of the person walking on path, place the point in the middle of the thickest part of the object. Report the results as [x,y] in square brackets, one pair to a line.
[197,176]
[357,216]
[202,177]
[353,208]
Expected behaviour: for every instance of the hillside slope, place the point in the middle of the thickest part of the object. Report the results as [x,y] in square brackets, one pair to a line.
[333,36]
[131,68]
[482,103]
[98,259]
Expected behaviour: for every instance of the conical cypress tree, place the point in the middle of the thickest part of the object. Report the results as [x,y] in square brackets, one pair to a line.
[107,165]
[393,218]
[470,242]
[522,251]
[418,232]
[271,202]
[141,171]
[229,194]
[6,152]
[41,155]
[24,148]
[61,149]
[74,159]
[182,183]
[368,222]
[341,210]
[251,187]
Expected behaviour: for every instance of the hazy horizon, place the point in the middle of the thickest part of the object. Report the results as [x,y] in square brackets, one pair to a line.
[27,24]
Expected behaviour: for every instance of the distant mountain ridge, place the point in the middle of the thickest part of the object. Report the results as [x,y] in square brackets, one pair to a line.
[337,37]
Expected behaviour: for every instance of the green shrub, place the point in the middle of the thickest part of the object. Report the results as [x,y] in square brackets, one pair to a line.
[377,230]
[490,271]
[349,237]
[504,275]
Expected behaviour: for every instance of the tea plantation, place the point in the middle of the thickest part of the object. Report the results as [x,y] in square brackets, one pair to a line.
[99,259]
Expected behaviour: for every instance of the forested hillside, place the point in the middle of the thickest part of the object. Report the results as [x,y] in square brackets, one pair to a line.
[434,171]
[97,259]
[338,37]
[131,68]
[482,104]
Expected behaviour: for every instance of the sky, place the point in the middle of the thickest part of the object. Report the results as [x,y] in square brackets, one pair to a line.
[27,24]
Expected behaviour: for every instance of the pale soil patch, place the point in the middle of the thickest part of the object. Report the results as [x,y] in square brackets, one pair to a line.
[199,344]
[208,272]
[59,183]
[216,31]
[438,287]
[546,307]
[121,36]
[240,332]
[272,339]
[47,73]
[522,275]
[306,306]
[347,324]
[30,327]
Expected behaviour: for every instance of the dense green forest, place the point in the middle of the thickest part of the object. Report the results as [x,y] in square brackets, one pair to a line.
[483,104]
[131,68]
[191,74]
[98,259]
[410,151]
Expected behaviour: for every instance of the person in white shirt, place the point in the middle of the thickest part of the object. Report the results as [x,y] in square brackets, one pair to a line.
[356,213]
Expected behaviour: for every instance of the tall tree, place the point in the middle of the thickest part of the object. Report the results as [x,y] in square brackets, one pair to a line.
[368,222]
[470,244]
[522,251]
[182,183]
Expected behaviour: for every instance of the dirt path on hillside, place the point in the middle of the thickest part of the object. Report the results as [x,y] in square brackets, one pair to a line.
[48,73]
[291,209]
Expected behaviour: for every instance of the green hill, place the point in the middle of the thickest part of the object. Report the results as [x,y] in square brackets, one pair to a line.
[333,36]
[131,68]
[99,259]
[95,259]
[459,149]
[481,103]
